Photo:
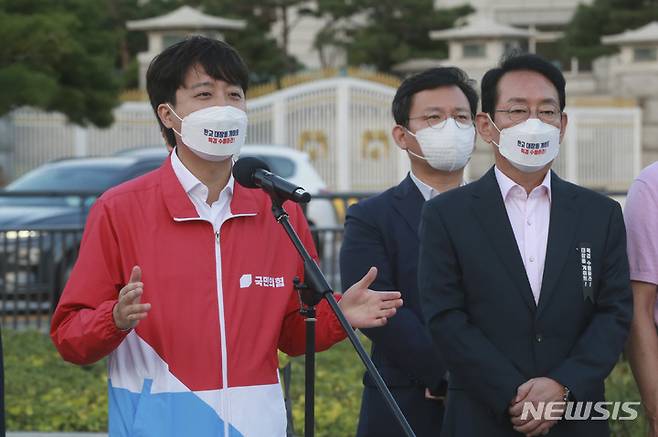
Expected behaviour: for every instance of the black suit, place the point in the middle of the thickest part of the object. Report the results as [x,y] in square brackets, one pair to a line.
[482,314]
[383,231]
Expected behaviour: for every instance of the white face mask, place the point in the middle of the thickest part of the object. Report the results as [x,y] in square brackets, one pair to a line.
[215,133]
[530,145]
[448,148]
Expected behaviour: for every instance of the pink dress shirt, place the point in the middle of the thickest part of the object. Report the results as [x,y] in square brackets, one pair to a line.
[640,214]
[530,218]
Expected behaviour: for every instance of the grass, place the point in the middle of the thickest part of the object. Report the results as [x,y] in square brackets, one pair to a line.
[43,393]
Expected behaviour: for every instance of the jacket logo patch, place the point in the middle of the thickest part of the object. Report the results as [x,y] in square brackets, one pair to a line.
[245,281]
[262,281]
[268,281]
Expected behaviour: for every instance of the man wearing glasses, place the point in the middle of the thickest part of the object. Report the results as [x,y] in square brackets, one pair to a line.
[434,113]
[523,277]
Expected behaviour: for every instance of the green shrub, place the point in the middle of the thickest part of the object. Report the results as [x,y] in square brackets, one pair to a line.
[338,394]
[339,372]
[620,386]
[44,393]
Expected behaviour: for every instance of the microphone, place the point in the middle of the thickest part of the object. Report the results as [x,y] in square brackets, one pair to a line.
[254,173]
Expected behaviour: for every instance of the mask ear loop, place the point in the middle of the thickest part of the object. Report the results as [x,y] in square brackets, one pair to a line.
[417,156]
[174,112]
[407,149]
[494,125]
[407,129]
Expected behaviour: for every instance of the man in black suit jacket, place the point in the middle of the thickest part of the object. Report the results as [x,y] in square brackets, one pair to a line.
[434,112]
[524,277]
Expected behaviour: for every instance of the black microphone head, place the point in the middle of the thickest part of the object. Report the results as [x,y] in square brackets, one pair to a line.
[244,168]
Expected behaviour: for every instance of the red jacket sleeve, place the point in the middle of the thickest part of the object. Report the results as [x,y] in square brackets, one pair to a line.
[328,330]
[83,328]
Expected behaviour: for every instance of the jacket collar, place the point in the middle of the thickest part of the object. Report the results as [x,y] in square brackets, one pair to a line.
[408,202]
[506,184]
[180,207]
[565,216]
[490,211]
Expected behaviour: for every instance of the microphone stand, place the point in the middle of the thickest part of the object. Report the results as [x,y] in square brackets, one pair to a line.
[311,293]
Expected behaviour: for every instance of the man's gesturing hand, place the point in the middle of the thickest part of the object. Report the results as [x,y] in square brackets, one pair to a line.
[366,308]
[129,311]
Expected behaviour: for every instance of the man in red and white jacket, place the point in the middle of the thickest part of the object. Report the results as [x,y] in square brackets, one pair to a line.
[185,279]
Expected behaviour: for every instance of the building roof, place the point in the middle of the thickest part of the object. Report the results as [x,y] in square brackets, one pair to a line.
[478,27]
[646,33]
[185,17]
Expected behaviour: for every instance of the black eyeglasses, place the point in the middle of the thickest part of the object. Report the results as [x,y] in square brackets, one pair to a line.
[438,119]
[546,113]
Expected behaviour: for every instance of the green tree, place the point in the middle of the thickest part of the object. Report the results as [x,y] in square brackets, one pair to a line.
[582,37]
[382,33]
[129,43]
[267,58]
[58,55]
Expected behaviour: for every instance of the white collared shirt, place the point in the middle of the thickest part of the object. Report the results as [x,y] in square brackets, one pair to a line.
[425,190]
[529,215]
[198,194]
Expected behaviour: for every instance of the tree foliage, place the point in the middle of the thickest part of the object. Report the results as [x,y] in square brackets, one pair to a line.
[58,55]
[265,57]
[74,56]
[129,43]
[265,52]
[582,38]
[382,33]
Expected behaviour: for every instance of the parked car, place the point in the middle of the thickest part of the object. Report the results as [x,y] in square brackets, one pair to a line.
[59,193]
[296,167]
[41,217]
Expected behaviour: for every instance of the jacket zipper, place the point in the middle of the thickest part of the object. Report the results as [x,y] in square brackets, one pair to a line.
[225,405]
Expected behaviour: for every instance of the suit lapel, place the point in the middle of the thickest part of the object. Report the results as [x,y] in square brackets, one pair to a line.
[561,235]
[408,202]
[492,215]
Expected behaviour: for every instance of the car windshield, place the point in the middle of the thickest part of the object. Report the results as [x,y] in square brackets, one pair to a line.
[62,179]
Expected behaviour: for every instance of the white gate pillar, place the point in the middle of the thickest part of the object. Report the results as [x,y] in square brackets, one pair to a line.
[637,141]
[79,141]
[279,125]
[343,134]
[571,152]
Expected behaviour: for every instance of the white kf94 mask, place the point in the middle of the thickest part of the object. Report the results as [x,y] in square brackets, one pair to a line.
[215,133]
[530,145]
[448,148]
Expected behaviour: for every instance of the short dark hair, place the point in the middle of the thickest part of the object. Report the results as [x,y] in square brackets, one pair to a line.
[167,71]
[519,62]
[429,80]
